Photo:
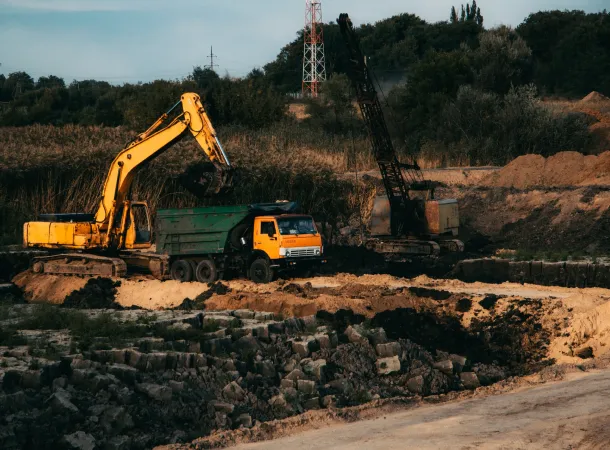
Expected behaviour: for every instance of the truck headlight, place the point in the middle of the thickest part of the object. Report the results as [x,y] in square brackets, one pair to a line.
[284,252]
[317,252]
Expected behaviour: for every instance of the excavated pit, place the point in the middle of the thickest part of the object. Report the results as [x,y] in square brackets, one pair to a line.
[111,374]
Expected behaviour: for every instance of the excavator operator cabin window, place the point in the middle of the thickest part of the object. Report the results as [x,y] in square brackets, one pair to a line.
[268,228]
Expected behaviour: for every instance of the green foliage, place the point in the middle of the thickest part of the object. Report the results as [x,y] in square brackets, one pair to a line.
[333,111]
[570,50]
[486,128]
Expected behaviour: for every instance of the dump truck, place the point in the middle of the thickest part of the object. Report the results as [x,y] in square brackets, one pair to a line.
[258,240]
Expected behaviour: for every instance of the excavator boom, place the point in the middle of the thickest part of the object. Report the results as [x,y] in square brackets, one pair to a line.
[120,225]
[154,141]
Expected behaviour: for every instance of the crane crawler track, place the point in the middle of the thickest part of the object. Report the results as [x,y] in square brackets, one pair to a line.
[80,264]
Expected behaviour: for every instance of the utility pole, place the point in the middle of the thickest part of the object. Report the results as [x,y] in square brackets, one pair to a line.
[212,56]
[314,66]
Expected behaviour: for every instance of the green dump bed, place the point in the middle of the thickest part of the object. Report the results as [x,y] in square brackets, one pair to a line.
[203,231]
[197,231]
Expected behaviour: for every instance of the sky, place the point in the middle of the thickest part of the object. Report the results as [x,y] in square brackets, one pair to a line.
[142,40]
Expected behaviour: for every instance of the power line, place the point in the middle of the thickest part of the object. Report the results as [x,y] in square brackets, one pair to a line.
[212,56]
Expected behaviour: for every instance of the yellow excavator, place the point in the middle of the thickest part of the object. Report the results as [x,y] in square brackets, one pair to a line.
[119,232]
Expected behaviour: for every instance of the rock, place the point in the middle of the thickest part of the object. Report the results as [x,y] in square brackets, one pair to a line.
[312,403]
[133,358]
[264,316]
[156,362]
[295,375]
[244,314]
[79,363]
[459,362]
[233,391]
[306,387]
[301,348]
[61,404]
[59,383]
[222,407]
[341,385]
[123,372]
[356,335]
[115,420]
[386,366]
[79,440]
[388,350]
[215,346]
[265,368]
[290,365]
[194,347]
[221,320]
[176,386]
[285,384]
[155,391]
[199,360]
[416,384]
[278,402]
[328,401]
[244,420]
[276,327]
[30,379]
[315,368]
[291,394]
[470,380]
[377,336]
[118,356]
[247,344]
[118,443]
[444,366]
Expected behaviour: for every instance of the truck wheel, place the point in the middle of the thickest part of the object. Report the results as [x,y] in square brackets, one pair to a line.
[206,271]
[182,271]
[260,272]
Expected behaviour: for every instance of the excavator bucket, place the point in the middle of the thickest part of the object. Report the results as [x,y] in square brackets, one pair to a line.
[207,179]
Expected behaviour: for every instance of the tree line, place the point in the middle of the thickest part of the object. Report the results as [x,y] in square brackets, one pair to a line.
[469,91]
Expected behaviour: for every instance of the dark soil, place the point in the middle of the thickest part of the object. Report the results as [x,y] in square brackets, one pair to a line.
[98,293]
[198,303]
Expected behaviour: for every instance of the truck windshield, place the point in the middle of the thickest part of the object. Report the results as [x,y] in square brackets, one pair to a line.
[296,225]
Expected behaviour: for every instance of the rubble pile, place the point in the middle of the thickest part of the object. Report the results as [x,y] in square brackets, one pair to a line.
[195,372]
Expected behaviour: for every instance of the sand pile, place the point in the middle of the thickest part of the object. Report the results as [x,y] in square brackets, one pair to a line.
[562,169]
[595,97]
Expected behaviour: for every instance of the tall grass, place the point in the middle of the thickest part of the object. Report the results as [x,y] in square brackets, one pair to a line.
[45,169]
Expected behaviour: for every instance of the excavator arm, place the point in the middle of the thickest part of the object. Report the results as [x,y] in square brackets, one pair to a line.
[156,140]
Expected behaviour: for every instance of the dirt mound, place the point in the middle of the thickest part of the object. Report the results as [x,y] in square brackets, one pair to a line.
[98,293]
[562,169]
[595,97]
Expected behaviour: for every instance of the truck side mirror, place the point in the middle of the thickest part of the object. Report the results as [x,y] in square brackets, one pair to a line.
[271,234]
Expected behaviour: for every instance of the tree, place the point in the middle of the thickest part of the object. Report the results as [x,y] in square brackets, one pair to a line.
[50,82]
[502,60]
[470,13]
[453,18]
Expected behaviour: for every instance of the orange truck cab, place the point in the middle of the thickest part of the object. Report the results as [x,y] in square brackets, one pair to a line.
[258,240]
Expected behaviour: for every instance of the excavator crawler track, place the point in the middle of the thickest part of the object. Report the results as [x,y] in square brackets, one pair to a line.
[80,264]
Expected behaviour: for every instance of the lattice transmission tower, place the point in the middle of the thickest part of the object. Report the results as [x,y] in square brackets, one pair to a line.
[314,66]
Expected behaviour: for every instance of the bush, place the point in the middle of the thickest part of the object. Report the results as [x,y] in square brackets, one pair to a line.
[484,128]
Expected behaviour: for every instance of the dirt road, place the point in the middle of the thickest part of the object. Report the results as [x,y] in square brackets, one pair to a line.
[572,414]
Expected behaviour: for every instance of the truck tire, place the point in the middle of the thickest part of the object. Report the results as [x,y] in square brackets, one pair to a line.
[238,232]
[206,271]
[182,271]
[261,272]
